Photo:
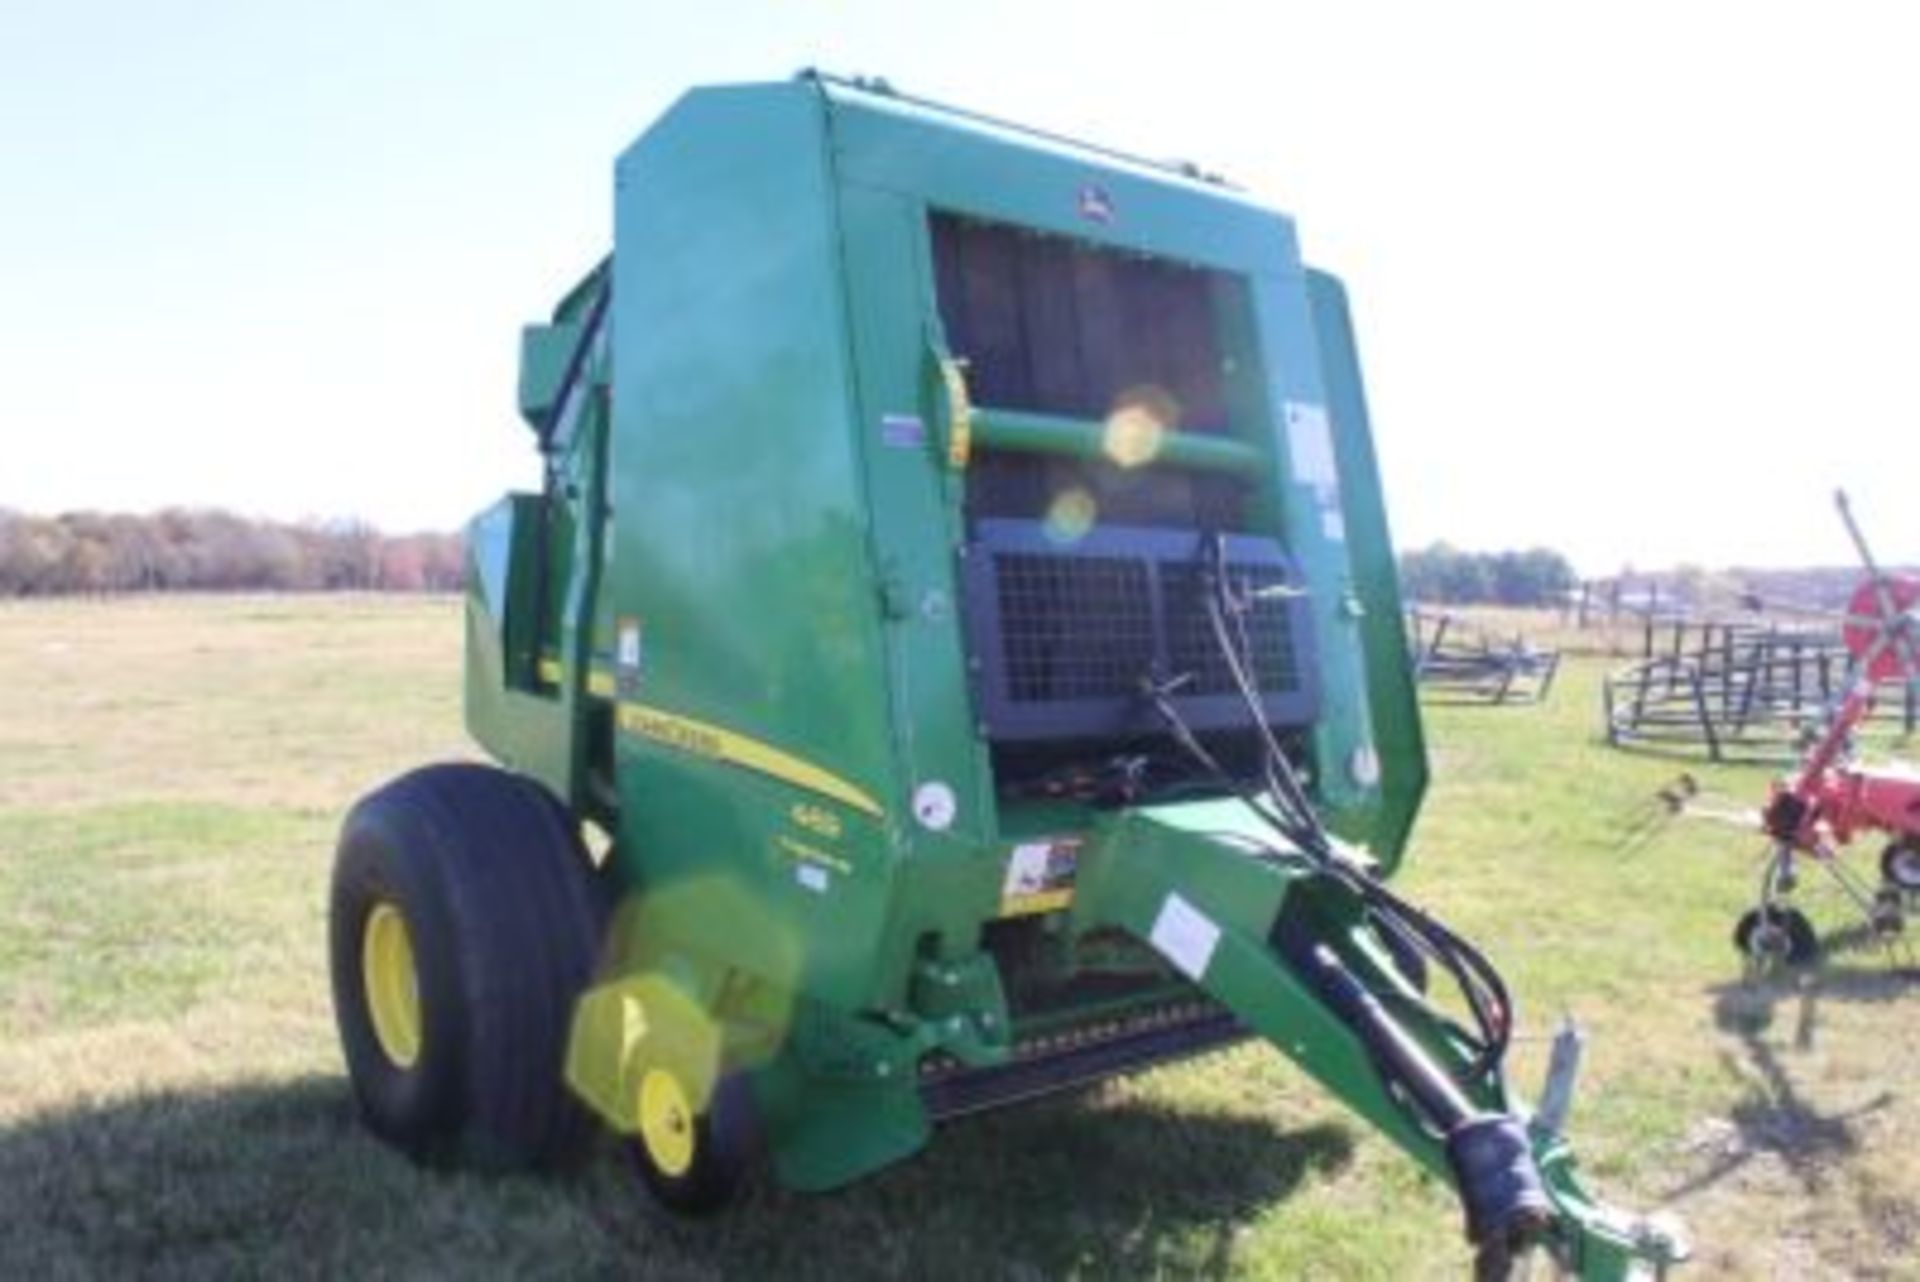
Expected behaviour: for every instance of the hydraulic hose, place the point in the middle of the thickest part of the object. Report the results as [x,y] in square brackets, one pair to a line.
[1502,1193]
[1289,811]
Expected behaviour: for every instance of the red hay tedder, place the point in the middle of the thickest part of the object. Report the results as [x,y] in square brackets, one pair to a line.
[1830,799]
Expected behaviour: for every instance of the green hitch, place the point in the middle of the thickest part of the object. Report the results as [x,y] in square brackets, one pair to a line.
[1289,949]
[1500,1187]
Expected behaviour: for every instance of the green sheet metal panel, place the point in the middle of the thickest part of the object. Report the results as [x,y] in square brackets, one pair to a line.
[1392,696]
[965,164]
[1313,526]
[740,562]
[950,885]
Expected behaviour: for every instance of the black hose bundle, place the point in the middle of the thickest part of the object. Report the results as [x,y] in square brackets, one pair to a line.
[1287,809]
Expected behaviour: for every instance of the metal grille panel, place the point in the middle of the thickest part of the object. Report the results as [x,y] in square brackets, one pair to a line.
[1073,627]
[1192,648]
[1064,636]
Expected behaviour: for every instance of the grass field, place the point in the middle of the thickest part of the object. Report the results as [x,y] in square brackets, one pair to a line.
[172,1101]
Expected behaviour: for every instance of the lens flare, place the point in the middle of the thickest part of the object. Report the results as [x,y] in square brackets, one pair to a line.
[649,1018]
[1138,424]
[1071,515]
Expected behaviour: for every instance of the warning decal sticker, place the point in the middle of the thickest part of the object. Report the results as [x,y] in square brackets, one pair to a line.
[1185,936]
[1039,877]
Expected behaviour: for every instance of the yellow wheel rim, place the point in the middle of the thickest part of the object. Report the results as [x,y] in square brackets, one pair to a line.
[666,1122]
[393,987]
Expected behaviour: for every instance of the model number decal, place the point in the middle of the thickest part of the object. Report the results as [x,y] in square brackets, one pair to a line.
[817,820]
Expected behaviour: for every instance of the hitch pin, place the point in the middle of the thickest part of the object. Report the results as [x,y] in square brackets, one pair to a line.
[1563,1075]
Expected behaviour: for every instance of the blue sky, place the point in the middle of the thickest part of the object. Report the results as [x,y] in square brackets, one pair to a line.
[1640,281]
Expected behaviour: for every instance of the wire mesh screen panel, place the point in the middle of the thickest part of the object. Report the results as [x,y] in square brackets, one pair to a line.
[1265,638]
[1065,637]
[1073,627]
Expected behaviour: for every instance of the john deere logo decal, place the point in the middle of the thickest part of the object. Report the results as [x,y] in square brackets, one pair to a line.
[1096,206]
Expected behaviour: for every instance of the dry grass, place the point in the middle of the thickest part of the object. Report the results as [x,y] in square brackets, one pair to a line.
[1620,638]
[172,1104]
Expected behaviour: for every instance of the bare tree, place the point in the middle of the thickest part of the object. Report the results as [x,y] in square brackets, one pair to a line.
[212,550]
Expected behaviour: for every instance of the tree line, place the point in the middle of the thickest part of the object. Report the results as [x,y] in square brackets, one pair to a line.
[1446,575]
[210,550]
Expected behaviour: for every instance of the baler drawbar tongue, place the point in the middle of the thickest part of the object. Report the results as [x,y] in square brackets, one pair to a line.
[1303,959]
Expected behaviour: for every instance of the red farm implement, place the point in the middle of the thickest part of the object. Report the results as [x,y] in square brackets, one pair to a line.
[1831,799]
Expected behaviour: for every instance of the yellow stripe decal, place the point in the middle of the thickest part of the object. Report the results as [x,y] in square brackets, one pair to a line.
[599,680]
[720,744]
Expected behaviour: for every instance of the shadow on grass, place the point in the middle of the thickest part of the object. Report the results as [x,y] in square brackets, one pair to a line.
[280,1180]
[1776,1120]
[1066,1186]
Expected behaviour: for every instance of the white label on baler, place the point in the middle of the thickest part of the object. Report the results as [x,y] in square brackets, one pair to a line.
[1185,936]
[1310,445]
[1027,869]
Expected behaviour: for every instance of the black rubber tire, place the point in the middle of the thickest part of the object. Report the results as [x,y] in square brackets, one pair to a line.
[1802,945]
[1900,866]
[727,1153]
[505,918]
